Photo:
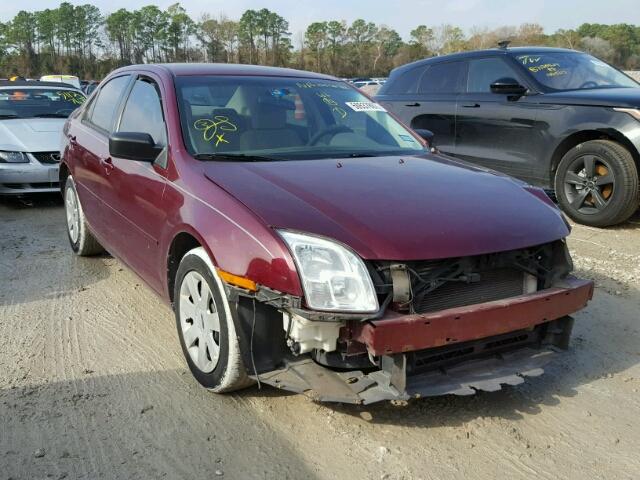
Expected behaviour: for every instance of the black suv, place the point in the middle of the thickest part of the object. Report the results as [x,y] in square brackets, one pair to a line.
[556,118]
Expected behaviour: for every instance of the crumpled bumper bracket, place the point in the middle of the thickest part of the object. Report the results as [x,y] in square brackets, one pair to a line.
[392,383]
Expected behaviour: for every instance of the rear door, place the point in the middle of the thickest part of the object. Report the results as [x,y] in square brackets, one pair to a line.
[496,130]
[90,143]
[134,189]
[430,102]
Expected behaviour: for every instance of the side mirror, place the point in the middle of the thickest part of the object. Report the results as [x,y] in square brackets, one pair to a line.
[508,86]
[427,135]
[133,146]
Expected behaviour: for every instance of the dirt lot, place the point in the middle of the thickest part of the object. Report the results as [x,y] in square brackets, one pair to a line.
[93,385]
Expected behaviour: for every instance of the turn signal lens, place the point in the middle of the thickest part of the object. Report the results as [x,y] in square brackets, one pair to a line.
[238,281]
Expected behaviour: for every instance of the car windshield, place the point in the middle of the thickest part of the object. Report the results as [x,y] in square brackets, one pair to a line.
[38,102]
[285,118]
[573,71]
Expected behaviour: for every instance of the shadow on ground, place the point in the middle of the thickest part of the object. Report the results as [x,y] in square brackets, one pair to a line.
[141,425]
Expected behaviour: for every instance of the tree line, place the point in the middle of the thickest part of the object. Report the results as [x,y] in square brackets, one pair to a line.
[84,41]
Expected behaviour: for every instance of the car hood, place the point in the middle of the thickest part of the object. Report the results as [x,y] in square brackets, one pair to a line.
[394,208]
[31,134]
[601,97]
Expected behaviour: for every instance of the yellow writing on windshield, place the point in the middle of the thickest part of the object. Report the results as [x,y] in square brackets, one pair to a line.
[551,69]
[214,129]
[326,98]
[310,84]
[73,97]
[528,59]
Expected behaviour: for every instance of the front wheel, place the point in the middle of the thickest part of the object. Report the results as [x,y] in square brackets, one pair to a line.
[205,327]
[82,241]
[596,183]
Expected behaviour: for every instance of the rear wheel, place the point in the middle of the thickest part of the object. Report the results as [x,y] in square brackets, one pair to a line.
[596,183]
[82,241]
[205,327]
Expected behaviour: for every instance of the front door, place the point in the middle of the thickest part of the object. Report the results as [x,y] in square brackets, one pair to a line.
[496,130]
[134,190]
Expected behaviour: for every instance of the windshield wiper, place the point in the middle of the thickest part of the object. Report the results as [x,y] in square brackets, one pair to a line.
[358,155]
[51,115]
[230,157]
[8,115]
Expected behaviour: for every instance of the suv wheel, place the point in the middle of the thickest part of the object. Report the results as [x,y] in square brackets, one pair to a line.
[82,241]
[205,327]
[596,183]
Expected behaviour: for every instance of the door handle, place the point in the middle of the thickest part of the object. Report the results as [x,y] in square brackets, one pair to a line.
[416,104]
[107,164]
[471,105]
[72,140]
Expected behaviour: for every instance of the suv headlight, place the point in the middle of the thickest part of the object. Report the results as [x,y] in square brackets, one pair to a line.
[333,277]
[634,112]
[13,157]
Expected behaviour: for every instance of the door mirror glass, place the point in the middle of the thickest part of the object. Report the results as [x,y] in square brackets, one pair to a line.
[508,86]
[133,146]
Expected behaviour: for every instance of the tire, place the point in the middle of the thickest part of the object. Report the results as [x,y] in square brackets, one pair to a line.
[597,184]
[211,349]
[82,241]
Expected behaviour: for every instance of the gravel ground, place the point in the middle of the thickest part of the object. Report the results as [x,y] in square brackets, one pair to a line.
[93,385]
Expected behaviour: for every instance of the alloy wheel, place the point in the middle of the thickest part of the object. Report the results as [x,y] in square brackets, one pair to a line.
[200,322]
[589,184]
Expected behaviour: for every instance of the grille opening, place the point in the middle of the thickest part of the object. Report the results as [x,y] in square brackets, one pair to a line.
[441,357]
[493,285]
[506,341]
[449,355]
[49,158]
[462,281]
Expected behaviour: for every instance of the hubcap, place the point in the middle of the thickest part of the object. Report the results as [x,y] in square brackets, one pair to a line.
[589,184]
[199,322]
[73,216]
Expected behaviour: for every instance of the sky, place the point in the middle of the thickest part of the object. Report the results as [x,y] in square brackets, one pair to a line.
[402,15]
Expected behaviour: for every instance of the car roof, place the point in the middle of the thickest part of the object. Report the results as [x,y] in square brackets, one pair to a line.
[189,69]
[35,84]
[483,53]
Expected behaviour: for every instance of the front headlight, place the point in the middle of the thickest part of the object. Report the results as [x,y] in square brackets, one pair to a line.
[634,112]
[13,157]
[333,277]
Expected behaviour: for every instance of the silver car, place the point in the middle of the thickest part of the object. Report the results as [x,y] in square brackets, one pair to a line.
[32,115]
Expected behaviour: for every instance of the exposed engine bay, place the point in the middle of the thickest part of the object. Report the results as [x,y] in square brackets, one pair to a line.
[440,323]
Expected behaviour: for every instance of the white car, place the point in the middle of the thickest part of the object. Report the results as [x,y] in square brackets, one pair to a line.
[32,115]
[69,79]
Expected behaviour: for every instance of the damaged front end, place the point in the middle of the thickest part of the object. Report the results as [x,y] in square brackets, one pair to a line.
[451,326]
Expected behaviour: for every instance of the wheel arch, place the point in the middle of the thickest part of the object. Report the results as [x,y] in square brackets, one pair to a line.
[586,135]
[182,242]
[63,173]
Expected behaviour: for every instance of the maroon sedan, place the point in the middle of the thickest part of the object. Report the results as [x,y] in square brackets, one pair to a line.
[308,240]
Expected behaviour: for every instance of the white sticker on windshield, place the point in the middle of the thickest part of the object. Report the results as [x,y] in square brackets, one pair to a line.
[365,107]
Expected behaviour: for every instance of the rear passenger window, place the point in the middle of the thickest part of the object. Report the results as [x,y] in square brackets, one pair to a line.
[107,102]
[484,71]
[442,78]
[143,112]
[406,82]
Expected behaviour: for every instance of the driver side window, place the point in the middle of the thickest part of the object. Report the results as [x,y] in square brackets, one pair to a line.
[485,71]
[143,112]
